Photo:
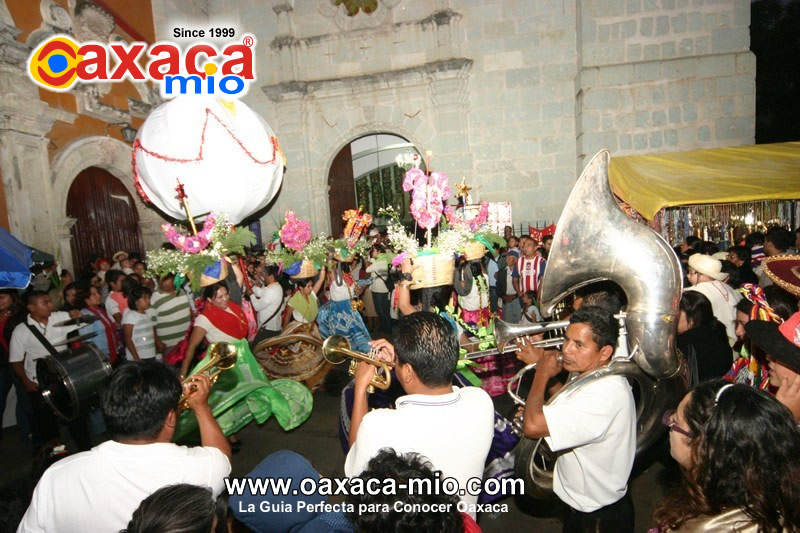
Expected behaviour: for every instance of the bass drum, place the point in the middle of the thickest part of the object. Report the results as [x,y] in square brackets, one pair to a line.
[70,381]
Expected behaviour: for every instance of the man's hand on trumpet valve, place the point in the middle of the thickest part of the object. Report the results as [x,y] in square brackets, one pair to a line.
[197,389]
[383,350]
[528,353]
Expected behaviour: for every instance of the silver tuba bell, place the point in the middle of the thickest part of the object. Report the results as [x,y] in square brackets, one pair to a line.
[595,241]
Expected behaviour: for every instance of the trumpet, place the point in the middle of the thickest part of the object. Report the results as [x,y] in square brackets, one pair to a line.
[505,332]
[546,344]
[336,349]
[221,355]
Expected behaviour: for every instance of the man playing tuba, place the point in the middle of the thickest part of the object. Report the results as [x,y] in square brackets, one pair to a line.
[593,426]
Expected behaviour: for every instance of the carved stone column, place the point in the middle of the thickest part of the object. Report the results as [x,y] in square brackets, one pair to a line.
[24,161]
[64,236]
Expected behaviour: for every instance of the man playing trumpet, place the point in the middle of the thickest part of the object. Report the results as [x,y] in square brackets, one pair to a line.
[98,490]
[593,427]
[452,427]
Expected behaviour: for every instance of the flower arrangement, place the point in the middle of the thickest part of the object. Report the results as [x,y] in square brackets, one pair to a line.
[428,195]
[221,239]
[473,223]
[295,233]
[190,244]
[356,222]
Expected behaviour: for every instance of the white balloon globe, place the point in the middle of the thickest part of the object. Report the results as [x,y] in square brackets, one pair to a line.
[225,155]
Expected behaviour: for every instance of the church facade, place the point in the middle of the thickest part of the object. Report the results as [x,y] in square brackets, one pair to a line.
[513,95]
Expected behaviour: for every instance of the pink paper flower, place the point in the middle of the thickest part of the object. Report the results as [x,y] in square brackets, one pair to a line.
[473,223]
[190,243]
[428,195]
[399,258]
[295,233]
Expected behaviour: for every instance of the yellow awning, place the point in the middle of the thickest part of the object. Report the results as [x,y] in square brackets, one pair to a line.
[717,176]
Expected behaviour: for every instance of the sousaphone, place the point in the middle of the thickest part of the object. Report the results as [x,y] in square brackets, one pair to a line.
[595,241]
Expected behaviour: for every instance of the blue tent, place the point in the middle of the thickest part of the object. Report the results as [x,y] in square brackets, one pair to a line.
[15,262]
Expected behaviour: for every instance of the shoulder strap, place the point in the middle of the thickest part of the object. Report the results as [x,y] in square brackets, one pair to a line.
[46,343]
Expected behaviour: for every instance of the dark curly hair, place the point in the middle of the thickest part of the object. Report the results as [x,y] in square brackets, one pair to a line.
[745,452]
[402,468]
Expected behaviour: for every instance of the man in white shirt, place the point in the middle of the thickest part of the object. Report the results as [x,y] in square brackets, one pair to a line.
[268,303]
[705,274]
[452,427]
[26,348]
[594,427]
[98,490]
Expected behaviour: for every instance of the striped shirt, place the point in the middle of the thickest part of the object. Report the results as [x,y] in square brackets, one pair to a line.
[172,316]
[530,272]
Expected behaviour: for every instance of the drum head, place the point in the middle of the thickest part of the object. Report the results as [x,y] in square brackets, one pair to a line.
[54,389]
[71,381]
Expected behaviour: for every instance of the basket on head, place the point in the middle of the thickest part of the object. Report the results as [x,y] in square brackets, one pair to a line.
[348,259]
[474,251]
[206,280]
[307,270]
[432,271]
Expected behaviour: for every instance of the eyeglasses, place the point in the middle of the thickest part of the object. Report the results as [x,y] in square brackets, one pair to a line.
[673,426]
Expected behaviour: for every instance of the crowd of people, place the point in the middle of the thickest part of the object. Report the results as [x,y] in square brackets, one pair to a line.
[735,434]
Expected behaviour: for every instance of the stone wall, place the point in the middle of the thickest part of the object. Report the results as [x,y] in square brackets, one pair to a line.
[514,94]
[667,75]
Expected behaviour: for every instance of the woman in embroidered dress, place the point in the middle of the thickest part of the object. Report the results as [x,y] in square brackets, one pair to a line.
[220,320]
[107,341]
[739,451]
[338,316]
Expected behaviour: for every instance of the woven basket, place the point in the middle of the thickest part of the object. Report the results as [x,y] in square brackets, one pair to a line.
[307,270]
[474,251]
[205,281]
[348,259]
[295,354]
[432,271]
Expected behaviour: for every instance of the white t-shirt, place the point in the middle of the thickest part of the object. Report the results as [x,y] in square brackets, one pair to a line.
[98,490]
[723,300]
[24,346]
[142,336]
[454,431]
[477,298]
[379,272]
[596,425]
[267,302]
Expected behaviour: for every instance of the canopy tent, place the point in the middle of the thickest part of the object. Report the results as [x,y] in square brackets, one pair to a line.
[717,176]
[15,262]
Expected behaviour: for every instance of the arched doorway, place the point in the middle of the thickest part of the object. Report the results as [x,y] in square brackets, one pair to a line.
[365,173]
[106,217]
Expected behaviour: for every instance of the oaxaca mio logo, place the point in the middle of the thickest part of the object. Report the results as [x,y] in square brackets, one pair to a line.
[199,68]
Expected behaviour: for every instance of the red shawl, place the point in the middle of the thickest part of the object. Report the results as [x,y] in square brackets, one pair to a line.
[111,331]
[233,324]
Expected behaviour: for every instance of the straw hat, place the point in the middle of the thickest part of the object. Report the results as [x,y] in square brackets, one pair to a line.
[780,341]
[720,256]
[705,264]
[119,256]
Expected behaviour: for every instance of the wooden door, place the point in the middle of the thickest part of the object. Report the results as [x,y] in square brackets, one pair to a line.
[342,195]
[106,215]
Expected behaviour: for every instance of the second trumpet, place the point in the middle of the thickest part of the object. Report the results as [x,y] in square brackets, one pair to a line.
[336,349]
